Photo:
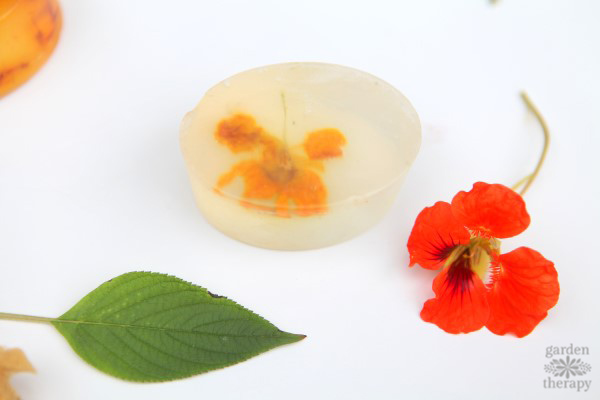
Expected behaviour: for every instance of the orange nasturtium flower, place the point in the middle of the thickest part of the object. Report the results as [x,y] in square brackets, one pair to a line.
[477,285]
[29,31]
[280,174]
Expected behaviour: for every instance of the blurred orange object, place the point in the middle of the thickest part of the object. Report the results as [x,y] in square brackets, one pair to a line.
[29,30]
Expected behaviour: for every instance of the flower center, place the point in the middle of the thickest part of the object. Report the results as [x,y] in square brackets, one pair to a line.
[476,257]
[278,165]
[480,261]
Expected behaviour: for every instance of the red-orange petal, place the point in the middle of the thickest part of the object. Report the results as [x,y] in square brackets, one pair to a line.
[435,234]
[492,210]
[525,288]
[460,305]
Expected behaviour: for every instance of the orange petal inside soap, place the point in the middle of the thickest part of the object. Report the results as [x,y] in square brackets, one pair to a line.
[289,182]
[239,133]
[324,143]
[29,31]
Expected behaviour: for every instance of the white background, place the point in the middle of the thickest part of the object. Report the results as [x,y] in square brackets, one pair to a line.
[92,185]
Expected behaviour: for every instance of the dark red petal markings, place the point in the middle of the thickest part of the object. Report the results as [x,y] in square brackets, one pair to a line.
[525,289]
[435,234]
[460,305]
[492,210]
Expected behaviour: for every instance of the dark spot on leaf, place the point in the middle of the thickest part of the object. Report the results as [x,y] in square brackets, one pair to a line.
[215,296]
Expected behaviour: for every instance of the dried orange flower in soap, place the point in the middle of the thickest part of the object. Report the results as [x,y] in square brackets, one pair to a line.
[29,31]
[11,361]
[285,175]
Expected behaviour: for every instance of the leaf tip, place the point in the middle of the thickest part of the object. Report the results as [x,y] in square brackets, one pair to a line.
[294,337]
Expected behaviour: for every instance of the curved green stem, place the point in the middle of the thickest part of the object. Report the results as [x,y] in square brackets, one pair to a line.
[521,182]
[26,318]
[528,180]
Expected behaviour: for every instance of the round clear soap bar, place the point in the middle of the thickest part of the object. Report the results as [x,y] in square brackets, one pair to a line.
[299,155]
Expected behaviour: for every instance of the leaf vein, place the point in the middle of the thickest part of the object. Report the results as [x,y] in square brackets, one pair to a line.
[195,346]
[135,303]
[116,355]
[159,350]
[137,353]
[167,329]
[115,286]
[172,309]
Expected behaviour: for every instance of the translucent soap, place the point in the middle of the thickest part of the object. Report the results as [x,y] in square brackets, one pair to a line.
[299,155]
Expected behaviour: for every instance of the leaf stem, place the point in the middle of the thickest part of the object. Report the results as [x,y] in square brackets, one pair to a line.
[528,180]
[26,318]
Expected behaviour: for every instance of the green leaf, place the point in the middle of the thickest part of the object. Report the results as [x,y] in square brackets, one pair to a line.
[150,327]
